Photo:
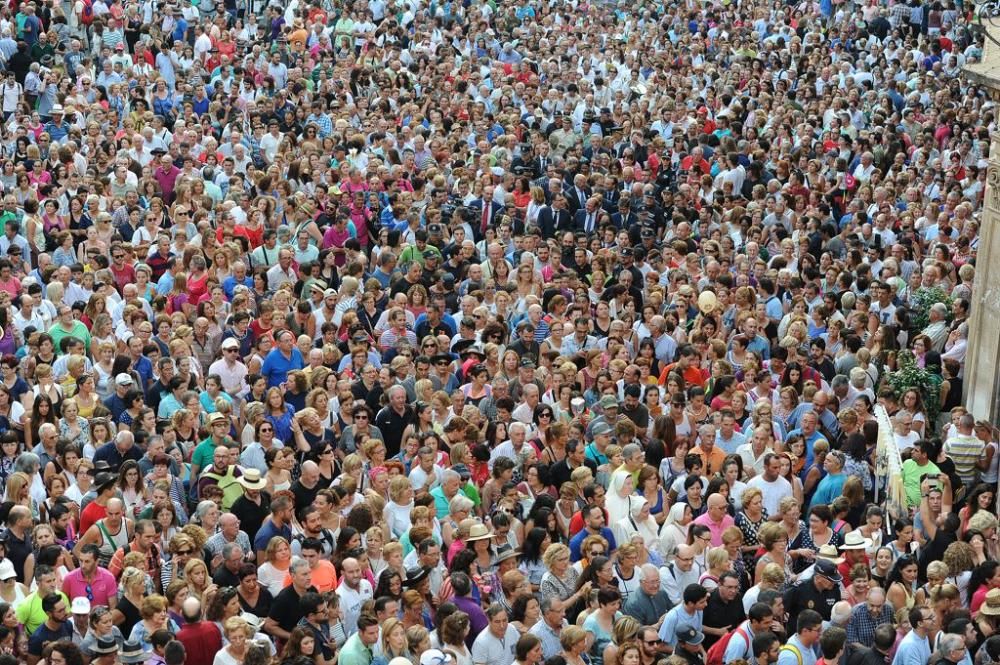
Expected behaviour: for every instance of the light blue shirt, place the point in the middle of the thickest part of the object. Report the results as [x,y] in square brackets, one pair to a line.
[676,619]
[913,650]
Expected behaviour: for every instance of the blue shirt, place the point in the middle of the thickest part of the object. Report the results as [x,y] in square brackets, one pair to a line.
[276,366]
[676,619]
[577,541]
[230,283]
[828,489]
[268,531]
[144,368]
[913,650]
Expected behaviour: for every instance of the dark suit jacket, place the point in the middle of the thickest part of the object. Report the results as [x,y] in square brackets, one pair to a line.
[477,223]
[574,201]
[580,220]
[552,221]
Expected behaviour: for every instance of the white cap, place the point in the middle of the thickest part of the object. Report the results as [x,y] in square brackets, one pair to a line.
[435,657]
[80,605]
[124,379]
[7,570]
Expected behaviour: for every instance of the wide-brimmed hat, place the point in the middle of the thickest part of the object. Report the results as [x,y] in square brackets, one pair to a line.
[104,479]
[991,605]
[104,646]
[131,652]
[856,541]
[7,570]
[474,349]
[479,532]
[252,480]
[415,576]
[505,552]
[829,553]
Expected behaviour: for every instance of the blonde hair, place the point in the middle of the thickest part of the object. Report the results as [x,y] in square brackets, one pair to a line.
[553,552]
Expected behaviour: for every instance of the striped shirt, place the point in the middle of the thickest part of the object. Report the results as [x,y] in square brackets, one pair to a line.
[965,450]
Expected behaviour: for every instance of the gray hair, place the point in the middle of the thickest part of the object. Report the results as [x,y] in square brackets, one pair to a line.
[229,548]
[449,475]
[202,509]
[950,642]
[841,613]
[650,569]
[460,502]
[630,450]
[28,463]
[297,564]
[125,436]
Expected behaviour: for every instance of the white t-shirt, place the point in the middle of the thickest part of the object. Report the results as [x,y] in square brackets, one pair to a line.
[773,492]
[351,601]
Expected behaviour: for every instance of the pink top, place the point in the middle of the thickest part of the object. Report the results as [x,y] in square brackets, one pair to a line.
[98,592]
[716,529]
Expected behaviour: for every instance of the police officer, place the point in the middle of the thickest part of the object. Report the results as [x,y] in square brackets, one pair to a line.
[818,593]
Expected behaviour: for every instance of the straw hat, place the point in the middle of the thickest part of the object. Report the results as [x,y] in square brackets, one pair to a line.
[855,541]
[991,606]
[479,532]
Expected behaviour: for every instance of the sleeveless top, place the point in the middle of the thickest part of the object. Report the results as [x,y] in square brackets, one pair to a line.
[110,542]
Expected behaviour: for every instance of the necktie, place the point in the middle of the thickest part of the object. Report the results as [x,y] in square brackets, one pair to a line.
[589,228]
[486,218]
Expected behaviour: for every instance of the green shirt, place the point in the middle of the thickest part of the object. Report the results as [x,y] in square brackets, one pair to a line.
[912,473]
[354,652]
[30,614]
[203,454]
[58,333]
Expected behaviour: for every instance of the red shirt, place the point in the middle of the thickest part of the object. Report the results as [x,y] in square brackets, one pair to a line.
[124,276]
[201,640]
[93,512]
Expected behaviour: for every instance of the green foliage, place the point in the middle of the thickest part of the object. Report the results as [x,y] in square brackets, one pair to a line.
[920,305]
[909,375]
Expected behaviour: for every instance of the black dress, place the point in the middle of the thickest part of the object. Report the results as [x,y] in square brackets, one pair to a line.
[132,615]
[263,606]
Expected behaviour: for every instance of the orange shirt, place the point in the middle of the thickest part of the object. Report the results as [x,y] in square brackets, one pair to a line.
[324,577]
[693,375]
[712,461]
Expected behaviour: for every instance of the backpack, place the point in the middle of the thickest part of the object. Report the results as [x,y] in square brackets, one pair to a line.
[717,651]
[87,15]
[793,649]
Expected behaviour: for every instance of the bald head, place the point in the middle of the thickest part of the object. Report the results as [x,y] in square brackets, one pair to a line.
[191,609]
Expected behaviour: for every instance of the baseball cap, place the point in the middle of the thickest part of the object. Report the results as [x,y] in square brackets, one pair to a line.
[124,380]
[609,402]
[828,569]
[7,570]
[80,605]
[601,428]
[230,343]
[691,636]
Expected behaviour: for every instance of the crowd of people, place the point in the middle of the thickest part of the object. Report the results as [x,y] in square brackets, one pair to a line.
[478,333]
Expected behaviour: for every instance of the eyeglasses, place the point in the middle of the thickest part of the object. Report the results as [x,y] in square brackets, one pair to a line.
[545,415]
[266,429]
[653,643]
[230,350]
[185,552]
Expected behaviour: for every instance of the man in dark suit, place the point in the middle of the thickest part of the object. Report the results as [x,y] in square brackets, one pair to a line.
[555,218]
[578,194]
[487,211]
[588,218]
